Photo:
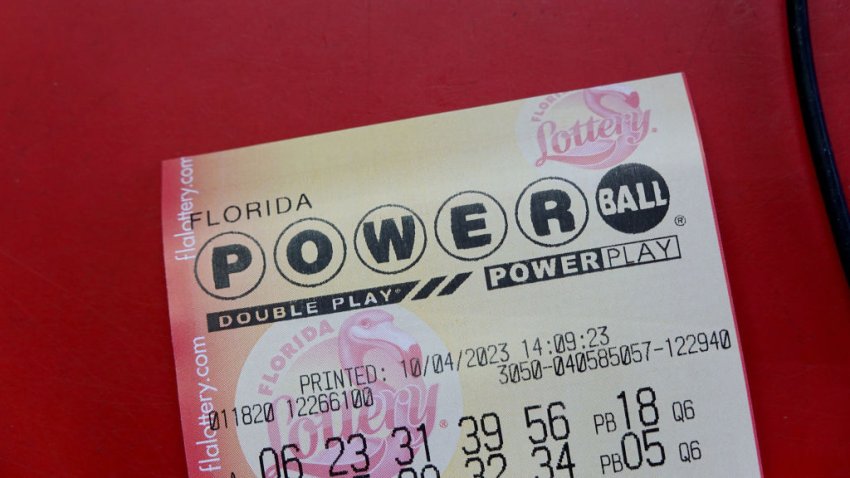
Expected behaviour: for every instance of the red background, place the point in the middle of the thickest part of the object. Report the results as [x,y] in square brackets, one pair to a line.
[93,94]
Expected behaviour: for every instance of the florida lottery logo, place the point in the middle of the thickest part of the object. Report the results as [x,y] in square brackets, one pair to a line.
[351,393]
[595,128]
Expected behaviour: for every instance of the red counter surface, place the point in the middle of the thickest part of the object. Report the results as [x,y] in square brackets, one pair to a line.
[93,95]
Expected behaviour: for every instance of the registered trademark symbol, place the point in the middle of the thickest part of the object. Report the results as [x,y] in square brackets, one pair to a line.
[680,220]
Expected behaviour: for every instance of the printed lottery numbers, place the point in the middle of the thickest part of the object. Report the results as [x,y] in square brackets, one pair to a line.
[350,456]
[429,470]
[545,428]
[360,451]
[270,462]
[639,446]
[640,449]
[483,445]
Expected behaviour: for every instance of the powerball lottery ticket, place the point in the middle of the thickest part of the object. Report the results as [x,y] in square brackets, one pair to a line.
[532,289]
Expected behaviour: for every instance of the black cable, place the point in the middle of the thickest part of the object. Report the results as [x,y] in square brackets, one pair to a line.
[813,120]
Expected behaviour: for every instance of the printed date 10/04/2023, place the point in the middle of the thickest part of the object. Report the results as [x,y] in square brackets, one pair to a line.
[499,353]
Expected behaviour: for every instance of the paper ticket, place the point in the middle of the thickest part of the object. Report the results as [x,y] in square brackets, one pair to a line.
[529,289]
